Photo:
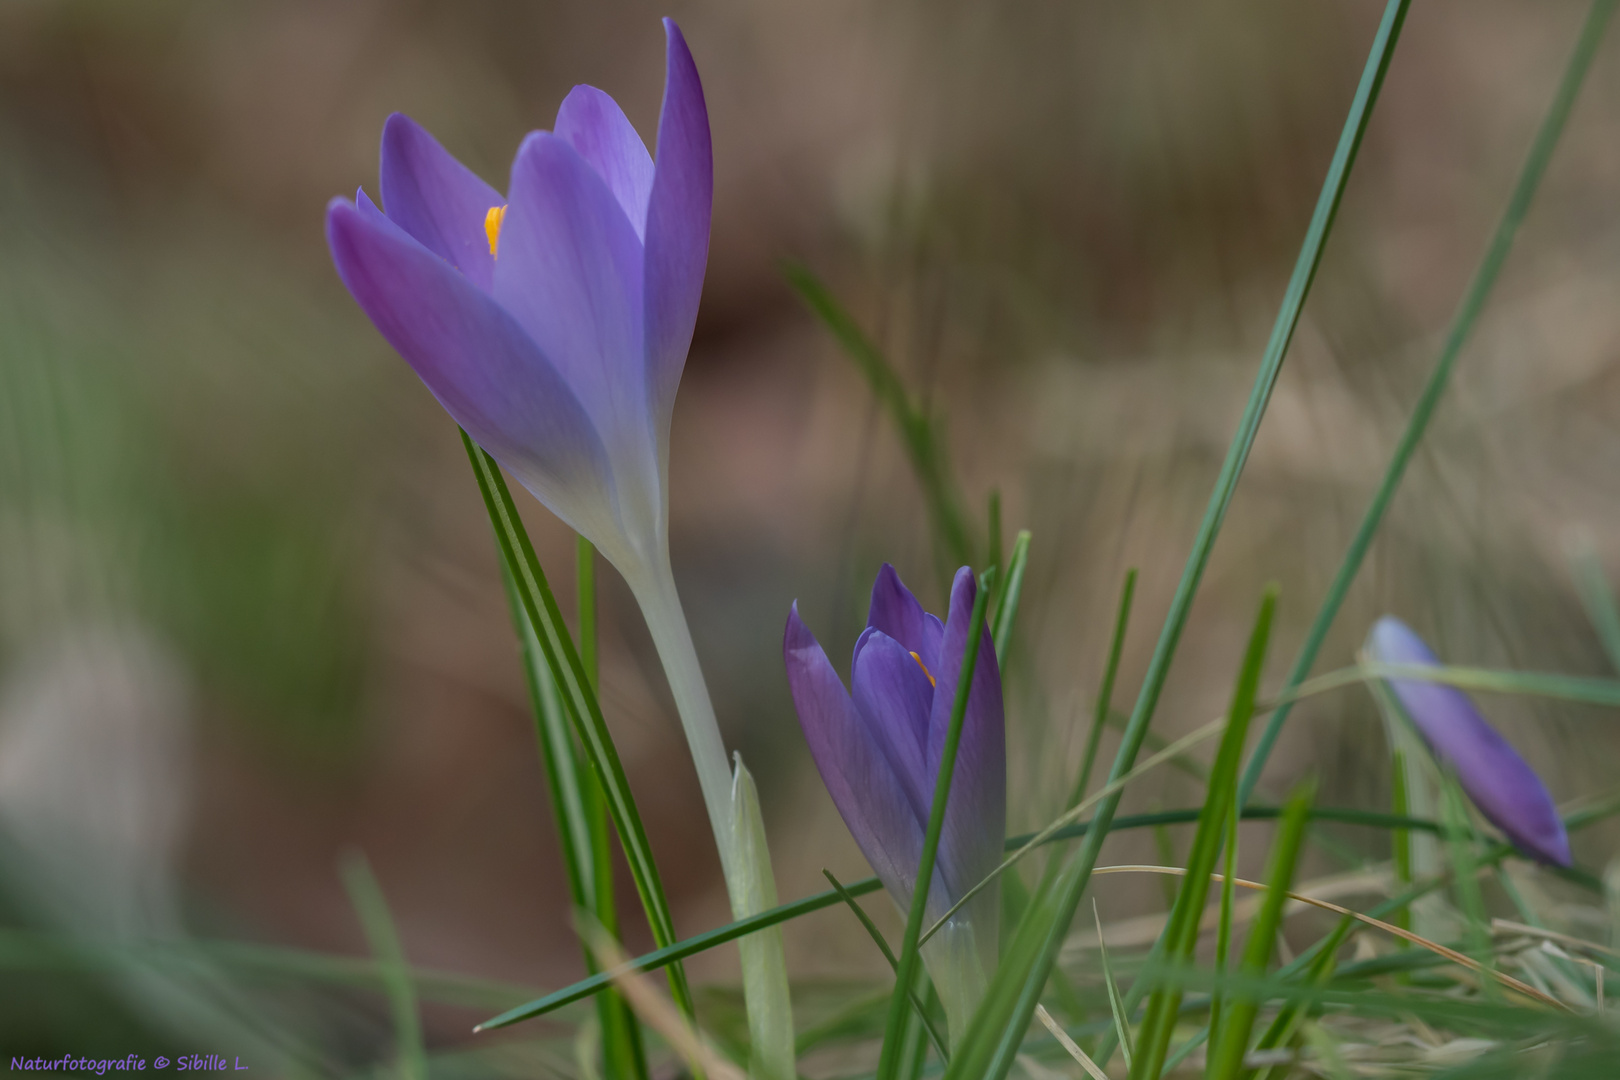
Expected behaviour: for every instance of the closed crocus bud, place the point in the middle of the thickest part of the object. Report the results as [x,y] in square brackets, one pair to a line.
[1500,782]
[878,747]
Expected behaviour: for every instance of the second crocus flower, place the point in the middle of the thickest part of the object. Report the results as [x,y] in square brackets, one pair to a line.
[1500,782]
[877,746]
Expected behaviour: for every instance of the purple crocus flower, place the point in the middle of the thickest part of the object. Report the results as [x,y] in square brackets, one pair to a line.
[553,322]
[1500,782]
[878,747]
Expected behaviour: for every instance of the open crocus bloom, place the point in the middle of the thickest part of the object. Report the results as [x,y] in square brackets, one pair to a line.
[878,748]
[1500,782]
[552,325]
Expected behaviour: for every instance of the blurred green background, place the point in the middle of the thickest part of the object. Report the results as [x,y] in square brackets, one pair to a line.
[250,614]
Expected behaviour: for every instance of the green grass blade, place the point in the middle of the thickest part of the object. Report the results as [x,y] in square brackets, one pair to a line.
[1223,929]
[576,806]
[1122,1021]
[584,710]
[917,430]
[369,905]
[1181,931]
[703,942]
[876,935]
[1462,324]
[1400,840]
[993,1043]
[623,1054]
[1010,590]
[1105,692]
[1232,1041]
[910,954]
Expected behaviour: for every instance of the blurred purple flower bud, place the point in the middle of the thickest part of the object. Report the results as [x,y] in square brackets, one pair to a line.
[878,748]
[1501,783]
[552,324]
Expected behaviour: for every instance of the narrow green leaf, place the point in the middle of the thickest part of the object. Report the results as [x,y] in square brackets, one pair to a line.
[369,905]
[992,1043]
[1181,931]
[1223,929]
[1462,324]
[1122,1021]
[576,806]
[917,432]
[584,711]
[1105,692]
[1400,840]
[888,954]
[1232,1042]
[1011,591]
[910,956]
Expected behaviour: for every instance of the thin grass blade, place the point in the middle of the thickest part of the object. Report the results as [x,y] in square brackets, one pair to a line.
[367,897]
[1462,325]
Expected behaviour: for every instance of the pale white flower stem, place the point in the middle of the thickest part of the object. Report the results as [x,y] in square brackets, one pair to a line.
[661,607]
[739,832]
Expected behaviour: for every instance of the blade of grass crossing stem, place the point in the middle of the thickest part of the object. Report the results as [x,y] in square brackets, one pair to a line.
[1181,931]
[1035,913]
[888,954]
[1232,1041]
[889,1061]
[369,905]
[1105,692]
[580,700]
[576,805]
[992,1042]
[1009,592]
[1462,324]
[917,430]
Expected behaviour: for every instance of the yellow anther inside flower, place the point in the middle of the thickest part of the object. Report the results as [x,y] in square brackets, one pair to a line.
[492,227]
[924,666]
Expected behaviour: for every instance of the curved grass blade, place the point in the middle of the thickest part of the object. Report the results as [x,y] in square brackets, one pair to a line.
[1122,1022]
[889,1063]
[917,429]
[876,935]
[585,712]
[1462,325]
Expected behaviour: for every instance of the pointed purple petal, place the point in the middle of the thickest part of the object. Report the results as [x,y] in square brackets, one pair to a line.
[677,234]
[976,814]
[1500,782]
[476,360]
[593,124]
[436,198]
[896,612]
[894,696]
[858,777]
[569,271]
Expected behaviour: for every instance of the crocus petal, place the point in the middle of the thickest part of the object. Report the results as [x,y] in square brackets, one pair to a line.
[1500,782]
[858,776]
[677,234]
[896,612]
[436,198]
[569,271]
[893,696]
[976,814]
[593,124]
[477,361]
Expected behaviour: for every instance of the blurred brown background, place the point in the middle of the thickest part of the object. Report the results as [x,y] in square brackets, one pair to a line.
[249,609]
